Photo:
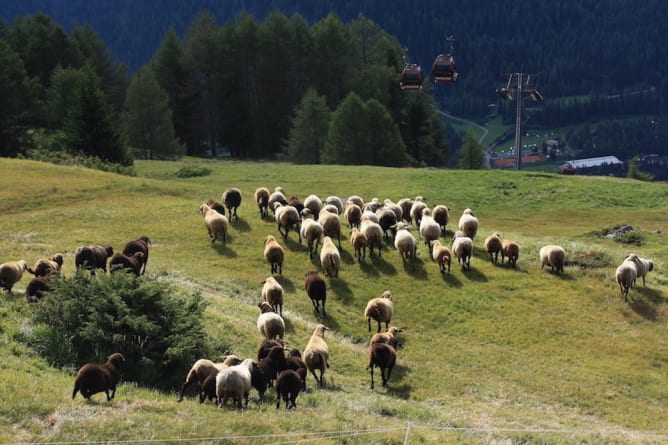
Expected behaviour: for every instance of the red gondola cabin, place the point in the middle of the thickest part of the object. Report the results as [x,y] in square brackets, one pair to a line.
[412,78]
[443,69]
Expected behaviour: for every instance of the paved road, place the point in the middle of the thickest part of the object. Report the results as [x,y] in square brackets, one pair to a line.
[488,156]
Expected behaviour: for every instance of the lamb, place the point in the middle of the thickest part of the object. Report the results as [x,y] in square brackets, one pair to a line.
[46,267]
[418,206]
[287,217]
[316,289]
[235,382]
[272,293]
[441,215]
[626,275]
[316,353]
[121,261]
[374,236]
[11,273]
[406,244]
[201,370]
[511,250]
[381,309]
[278,196]
[353,214]
[388,337]
[331,225]
[330,258]
[359,242]
[553,256]
[643,265]
[262,201]
[442,255]
[493,245]
[313,203]
[37,287]
[468,224]
[312,231]
[406,204]
[216,224]
[429,229]
[270,325]
[215,205]
[93,257]
[274,254]
[383,356]
[387,220]
[232,199]
[142,245]
[462,247]
[93,378]
[288,385]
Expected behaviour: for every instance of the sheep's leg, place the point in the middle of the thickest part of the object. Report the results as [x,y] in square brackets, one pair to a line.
[371,368]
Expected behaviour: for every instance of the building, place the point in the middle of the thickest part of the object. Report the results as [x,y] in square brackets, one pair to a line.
[569,166]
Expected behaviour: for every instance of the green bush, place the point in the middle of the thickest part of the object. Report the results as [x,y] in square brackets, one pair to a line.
[62,157]
[86,318]
[191,172]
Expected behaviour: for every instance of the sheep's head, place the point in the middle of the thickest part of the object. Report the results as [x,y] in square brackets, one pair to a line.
[269,238]
[109,250]
[22,265]
[265,307]
[320,330]
[116,359]
[387,294]
[58,259]
[468,212]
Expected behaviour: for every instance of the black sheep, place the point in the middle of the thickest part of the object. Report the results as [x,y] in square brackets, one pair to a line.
[93,378]
[383,356]
[133,262]
[232,199]
[316,289]
[37,287]
[288,385]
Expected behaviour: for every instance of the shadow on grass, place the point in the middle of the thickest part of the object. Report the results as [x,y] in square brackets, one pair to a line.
[224,250]
[341,289]
[294,245]
[382,266]
[645,303]
[347,258]
[451,280]
[402,389]
[368,269]
[416,270]
[474,274]
[287,283]
[241,225]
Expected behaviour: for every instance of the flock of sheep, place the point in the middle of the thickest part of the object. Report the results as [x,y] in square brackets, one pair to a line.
[319,224]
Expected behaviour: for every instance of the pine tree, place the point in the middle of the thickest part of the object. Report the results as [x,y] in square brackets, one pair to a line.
[472,154]
[309,128]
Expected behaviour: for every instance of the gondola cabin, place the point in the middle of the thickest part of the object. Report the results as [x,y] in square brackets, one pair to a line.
[443,69]
[412,78]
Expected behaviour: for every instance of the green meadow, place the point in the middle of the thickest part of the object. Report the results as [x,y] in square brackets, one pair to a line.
[490,355]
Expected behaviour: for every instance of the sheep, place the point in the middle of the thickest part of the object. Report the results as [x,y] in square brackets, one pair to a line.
[626,275]
[277,196]
[353,214]
[270,325]
[462,247]
[142,245]
[553,256]
[287,217]
[388,337]
[93,257]
[235,382]
[216,224]
[331,225]
[406,204]
[93,378]
[441,215]
[383,356]
[316,289]
[272,293]
[358,201]
[468,224]
[511,250]
[429,229]
[203,368]
[274,254]
[208,386]
[331,208]
[643,265]
[386,219]
[418,206]
[359,242]
[232,199]
[336,202]
[273,363]
[396,208]
[288,385]
[493,245]
[37,287]
[44,267]
[313,203]
[215,205]
[11,273]
[368,215]
[330,258]
[441,254]
[372,205]
[405,243]
[295,202]
[381,309]
[262,201]
[120,261]
[316,353]
[265,346]
[374,236]
[312,231]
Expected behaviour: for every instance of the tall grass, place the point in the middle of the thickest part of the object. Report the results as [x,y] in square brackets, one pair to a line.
[490,354]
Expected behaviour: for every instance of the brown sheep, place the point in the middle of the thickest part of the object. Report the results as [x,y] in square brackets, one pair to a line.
[232,199]
[359,243]
[316,353]
[380,309]
[93,257]
[11,273]
[142,245]
[121,261]
[383,356]
[316,289]
[441,215]
[215,205]
[274,254]
[511,250]
[37,287]
[272,293]
[493,247]
[46,267]
[93,378]
[441,254]
[288,386]
[262,201]
[389,337]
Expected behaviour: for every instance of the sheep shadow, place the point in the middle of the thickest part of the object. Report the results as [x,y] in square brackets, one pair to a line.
[293,245]
[653,295]
[287,283]
[224,250]
[341,289]
[368,269]
[451,280]
[395,386]
[416,270]
[645,303]
[474,274]
[241,225]
[347,257]
[383,266]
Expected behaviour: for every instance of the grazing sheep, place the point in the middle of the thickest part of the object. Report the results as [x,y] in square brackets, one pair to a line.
[277,196]
[406,244]
[11,273]
[270,325]
[287,217]
[353,214]
[262,201]
[336,202]
[429,229]
[357,200]
[626,275]
[46,267]
[232,199]
[316,353]
[511,250]
[215,205]
[330,258]
[93,257]
[442,255]
[643,265]
[274,254]
[316,289]
[201,370]
[383,356]
[331,225]
[235,382]
[381,309]
[388,337]
[418,206]
[462,247]
[441,215]
[468,224]
[406,204]
[288,385]
[93,378]
[120,261]
[313,203]
[493,245]
[142,245]
[312,231]
[272,293]
[37,287]
[387,220]
[359,242]
[374,236]
[553,256]
[216,224]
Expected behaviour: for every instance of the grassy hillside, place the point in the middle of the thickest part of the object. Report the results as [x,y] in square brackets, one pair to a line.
[489,354]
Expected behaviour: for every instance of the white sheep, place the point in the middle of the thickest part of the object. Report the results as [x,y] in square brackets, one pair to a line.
[274,254]
[405,243]
[312,231]
[374,236]
[336,202]
[272,293]
[287,217]
[372,205]
[380,309]
[216,224]
[331,225]
[368,215]
[441,254]
[313,203]
[11,273]
[359,242]
[353,214]
[643,265]
[262,200]
[270,325]
[202,368]
[316,353]
[330,258]
[462,247]
[441,215]
[626,275]
[277,196]
[468,224]
[418,206]
[235,382]
[493,245]
[553,256]
[429,229]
